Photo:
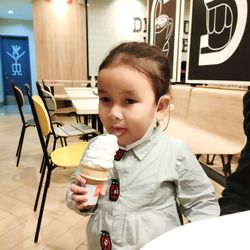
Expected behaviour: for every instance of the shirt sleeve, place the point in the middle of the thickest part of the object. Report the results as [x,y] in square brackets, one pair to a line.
[195,192]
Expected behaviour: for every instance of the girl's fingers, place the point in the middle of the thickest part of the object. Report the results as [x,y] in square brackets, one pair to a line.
[78,185]
[79,198]
[79,191]
[81,202]
[82,206]
[81,181]
[74,188]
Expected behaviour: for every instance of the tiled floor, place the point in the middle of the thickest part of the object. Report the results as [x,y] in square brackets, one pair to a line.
[61,227]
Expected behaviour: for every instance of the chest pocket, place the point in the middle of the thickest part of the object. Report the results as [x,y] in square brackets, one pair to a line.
[138,185]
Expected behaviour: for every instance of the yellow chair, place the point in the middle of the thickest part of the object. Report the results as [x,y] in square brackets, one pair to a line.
[65,157]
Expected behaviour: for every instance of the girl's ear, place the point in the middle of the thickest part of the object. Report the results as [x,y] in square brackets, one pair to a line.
[163,103]
[162,112]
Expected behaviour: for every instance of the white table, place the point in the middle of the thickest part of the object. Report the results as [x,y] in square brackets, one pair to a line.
[225,232]
[86,101]
[77,93]
[86,106]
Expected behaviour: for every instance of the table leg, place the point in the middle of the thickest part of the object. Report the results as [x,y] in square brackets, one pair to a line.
[93,118]
[100,126]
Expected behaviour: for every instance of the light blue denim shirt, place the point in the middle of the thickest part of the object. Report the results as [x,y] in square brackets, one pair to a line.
[152,175]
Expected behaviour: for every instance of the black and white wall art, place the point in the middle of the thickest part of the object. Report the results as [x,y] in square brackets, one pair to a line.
[219,47]
[163,16]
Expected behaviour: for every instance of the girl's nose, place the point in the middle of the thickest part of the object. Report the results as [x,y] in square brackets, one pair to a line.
[115,112]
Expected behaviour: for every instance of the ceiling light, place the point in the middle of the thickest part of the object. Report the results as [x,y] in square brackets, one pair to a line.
[10,12]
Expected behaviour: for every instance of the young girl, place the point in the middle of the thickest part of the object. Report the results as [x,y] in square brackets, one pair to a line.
[154,170]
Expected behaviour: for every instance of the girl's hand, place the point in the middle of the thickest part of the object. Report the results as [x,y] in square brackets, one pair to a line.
[80,194]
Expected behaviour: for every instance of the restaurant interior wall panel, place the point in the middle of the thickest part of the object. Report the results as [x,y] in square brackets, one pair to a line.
[60,39]
[111,22]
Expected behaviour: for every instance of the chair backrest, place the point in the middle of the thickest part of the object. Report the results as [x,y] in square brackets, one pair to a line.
[46,86]
[48,99]
[40,114]
[50,110]
[39,88]
[49,102]
[42,121]
[19,99]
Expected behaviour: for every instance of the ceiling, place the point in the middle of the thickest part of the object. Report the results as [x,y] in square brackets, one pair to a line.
[22,9]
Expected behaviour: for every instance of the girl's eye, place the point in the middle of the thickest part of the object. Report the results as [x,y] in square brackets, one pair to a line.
[104,99]
[130,101]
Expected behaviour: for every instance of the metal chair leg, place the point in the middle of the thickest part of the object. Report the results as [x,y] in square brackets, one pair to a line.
[61,141]
[226,165]
[42,165]
[42,205]
[40,186]
[210,162]
[54,143]
[19,142]
[65,141]
[20,145]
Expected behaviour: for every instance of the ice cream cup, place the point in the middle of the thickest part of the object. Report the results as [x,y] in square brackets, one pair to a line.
[96,177]
[97,162]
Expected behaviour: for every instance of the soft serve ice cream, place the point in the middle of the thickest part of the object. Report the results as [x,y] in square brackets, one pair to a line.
[98,159]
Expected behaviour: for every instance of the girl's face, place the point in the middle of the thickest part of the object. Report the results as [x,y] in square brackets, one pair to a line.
[126,103]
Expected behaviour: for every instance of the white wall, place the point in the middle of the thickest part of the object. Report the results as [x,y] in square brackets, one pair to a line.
[19,28]
[111,22]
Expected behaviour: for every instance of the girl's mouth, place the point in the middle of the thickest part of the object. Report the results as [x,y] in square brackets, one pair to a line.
[117,131]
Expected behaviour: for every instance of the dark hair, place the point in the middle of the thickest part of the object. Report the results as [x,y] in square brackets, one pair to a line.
[144,58]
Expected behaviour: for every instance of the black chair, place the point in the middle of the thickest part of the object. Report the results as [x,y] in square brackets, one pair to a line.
[54,109]
[59,131]
[46,86]
[25,123]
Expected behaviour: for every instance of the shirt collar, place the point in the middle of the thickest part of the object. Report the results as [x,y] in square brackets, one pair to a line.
[142,146]
[146,146]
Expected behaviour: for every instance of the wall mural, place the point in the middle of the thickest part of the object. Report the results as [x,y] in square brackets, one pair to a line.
[163,28]
[219,46]
[185,40]
[15,55]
